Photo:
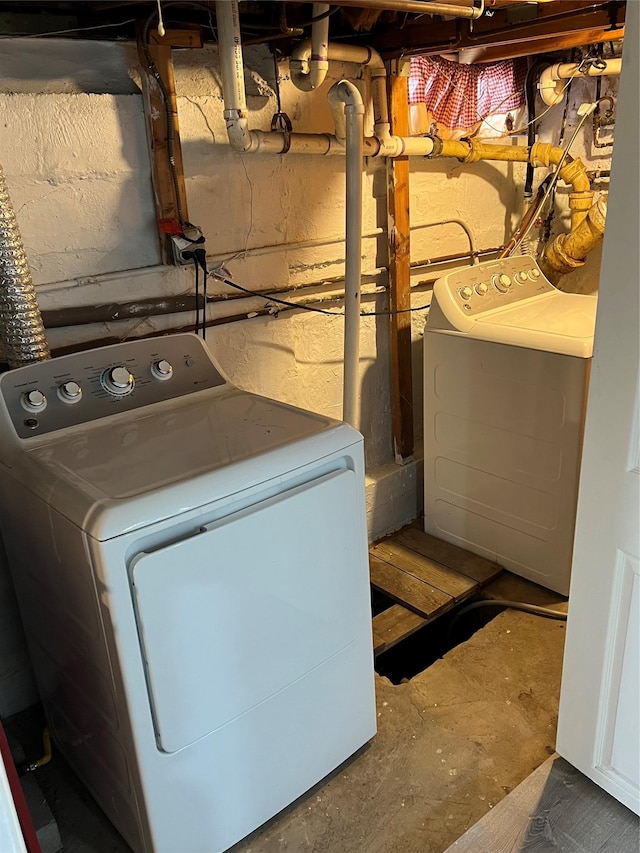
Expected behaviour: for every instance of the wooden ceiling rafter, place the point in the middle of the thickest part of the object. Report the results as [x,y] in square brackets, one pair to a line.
[573,21]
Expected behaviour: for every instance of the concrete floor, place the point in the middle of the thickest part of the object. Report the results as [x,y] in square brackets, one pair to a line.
[451,743]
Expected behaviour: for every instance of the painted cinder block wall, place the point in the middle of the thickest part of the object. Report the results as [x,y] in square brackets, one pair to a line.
[73,147]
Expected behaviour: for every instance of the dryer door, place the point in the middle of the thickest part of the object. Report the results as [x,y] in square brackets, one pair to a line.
[231,616]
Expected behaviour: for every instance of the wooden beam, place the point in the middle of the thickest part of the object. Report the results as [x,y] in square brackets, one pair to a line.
[170,193]
[555,19]
[543,45]
[400,275]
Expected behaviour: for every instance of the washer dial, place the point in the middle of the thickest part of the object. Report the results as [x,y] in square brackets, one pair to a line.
[70,392]
[117,381]
[34,401]
[501,282]
[162,369]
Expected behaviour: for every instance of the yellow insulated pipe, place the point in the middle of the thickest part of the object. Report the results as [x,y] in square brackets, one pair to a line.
[568,251]
[573,172]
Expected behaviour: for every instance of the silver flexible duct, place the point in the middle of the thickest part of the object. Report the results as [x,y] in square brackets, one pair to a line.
[21,327]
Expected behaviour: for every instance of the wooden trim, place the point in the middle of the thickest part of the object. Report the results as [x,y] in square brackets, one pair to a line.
[398,227]
[154,106]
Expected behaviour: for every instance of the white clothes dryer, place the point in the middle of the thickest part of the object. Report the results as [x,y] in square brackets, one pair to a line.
[506,366]
[191,567]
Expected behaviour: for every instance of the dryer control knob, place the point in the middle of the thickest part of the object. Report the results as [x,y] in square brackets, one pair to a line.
[521,277]
[162,369]
[481,288]
[466,292]
[502,282]
[118,380]
[70,392]
[534,274]
[34,401]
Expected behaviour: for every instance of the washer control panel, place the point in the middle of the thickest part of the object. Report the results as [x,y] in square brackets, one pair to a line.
[494,284]
[86,386]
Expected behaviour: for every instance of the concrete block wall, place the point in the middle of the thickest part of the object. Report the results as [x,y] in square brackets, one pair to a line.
[73,147]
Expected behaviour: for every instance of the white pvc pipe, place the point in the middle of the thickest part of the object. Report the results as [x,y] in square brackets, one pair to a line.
[309,61]
[348,94]
[232,67]
[551,87]
[275,142]
[301,67]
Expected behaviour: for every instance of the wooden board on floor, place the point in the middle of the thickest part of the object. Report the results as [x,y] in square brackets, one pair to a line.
[426,577]
[394,624]
[420,566]
[471,565]
[408,590]
[558,808]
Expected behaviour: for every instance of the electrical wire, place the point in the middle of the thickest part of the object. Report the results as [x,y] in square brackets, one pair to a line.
[204,303]
[196,266]
[64,32]
[298,306]
[255,27]
[534,120]
[161,29]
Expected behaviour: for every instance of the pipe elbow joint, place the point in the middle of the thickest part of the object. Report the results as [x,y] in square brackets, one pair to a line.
[240,137]
[550,86]
[307,75]
[347,93]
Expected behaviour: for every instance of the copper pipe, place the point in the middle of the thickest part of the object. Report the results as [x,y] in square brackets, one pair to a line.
[531,213]
[421,7]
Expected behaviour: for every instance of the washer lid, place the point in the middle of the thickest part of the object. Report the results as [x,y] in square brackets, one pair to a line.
[554,322]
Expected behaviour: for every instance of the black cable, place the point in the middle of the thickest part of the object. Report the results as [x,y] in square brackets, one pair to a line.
[256,27]
[298,306]
[204,306]
[530,98]
[196,267]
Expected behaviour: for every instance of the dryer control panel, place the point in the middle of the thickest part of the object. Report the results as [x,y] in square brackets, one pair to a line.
[493,284]
[87,386]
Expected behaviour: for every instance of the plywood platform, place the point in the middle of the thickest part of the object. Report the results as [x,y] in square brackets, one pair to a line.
[426,577]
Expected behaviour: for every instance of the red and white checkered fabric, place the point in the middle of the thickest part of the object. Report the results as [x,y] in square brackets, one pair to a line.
[460,96]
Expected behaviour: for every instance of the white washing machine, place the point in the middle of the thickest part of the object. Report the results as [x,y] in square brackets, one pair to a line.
[191,566]
[506,367]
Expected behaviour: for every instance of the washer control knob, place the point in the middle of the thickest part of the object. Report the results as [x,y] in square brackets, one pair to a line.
[70,392]
[465,292]
[162,369]
[501,282]
[521,277]
[118,381]
[481,288]
[34,401]
[534,274]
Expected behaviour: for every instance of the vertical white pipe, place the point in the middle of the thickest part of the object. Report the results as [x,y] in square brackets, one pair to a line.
[309,61]
[319,43]
[232,67]
[230,48]
[354,115]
